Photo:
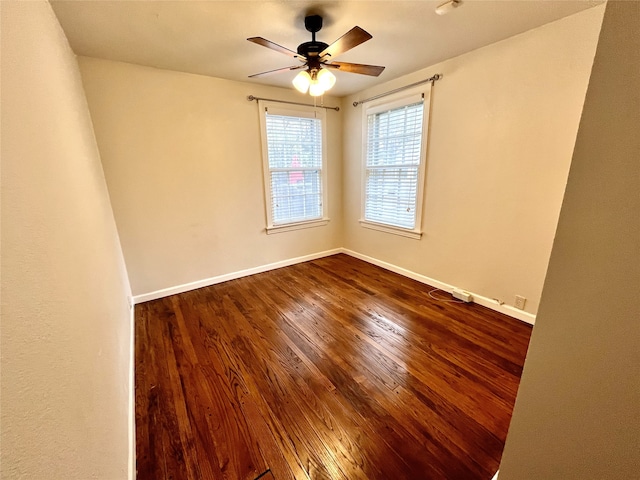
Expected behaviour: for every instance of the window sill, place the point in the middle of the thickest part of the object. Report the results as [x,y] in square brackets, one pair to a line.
[288,227]
[416,235]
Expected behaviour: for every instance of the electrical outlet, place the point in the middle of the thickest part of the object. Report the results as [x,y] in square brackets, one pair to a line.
[520,301]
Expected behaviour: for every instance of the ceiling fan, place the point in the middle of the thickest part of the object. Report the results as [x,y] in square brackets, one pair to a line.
[316,58]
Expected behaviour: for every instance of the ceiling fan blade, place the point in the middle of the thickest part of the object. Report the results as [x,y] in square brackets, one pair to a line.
[373,70]
[278,70]
[274,46]
[352,38]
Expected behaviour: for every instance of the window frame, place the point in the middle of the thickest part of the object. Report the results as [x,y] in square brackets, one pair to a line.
[277,108]
[408,97]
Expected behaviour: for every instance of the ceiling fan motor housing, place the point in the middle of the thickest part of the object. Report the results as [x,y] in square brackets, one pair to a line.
[311,49]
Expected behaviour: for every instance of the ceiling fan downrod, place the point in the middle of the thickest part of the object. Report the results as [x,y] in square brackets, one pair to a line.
[313,24]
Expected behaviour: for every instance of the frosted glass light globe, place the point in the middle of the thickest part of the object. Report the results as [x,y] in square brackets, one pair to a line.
[302,81]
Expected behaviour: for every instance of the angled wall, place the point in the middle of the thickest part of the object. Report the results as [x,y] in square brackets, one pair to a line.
[577,414]
[65,316]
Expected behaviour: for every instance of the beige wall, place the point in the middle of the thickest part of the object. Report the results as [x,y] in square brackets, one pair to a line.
[182,158]
[503,124]
[65,316]
[577,415]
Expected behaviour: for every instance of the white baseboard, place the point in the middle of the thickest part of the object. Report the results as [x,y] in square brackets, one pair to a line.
[132,398]
[165,292]
[495,477]
[479,299]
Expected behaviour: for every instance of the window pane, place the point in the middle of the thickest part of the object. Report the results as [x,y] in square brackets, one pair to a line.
[294,147]
[294,141]
[394,143]
[391,196]
[295,201]
[394,137]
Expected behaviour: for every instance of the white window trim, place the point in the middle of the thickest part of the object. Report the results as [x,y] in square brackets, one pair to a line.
[288,227]
[381,227]
[407,97]
[298,111]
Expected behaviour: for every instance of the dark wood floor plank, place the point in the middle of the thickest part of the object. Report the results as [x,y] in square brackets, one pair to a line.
[358,396]
[330,369]
[413,295]
[368,411]
[144,378]
[377,326]
[387,345]
[413,299]
[171,461]
[193,467]
[241,455]
[338,414]
[253,404]
[438,424]
[264,383]
[389,368]
[281,363]
[460,361]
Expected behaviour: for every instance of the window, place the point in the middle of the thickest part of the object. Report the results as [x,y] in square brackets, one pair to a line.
[394,158]
[293,143]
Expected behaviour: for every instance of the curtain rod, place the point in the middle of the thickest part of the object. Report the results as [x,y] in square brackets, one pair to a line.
[252,98]
[433,79]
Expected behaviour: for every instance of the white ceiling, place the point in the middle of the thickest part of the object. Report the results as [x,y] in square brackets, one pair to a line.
[209,37]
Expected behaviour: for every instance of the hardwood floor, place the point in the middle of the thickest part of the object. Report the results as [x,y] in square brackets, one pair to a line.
[331,369]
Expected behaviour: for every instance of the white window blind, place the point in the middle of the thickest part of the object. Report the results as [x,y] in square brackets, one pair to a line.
[294,173]
[393,165]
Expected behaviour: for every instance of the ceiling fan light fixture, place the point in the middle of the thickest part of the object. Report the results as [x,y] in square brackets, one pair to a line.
[447,7]
[326,79]
[315,89]
[302,81]
[315,82]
